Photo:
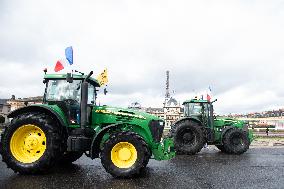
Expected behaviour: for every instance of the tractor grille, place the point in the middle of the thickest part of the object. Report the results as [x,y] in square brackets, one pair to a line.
[156,129]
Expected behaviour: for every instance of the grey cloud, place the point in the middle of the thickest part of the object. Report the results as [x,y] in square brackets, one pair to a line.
[223,44]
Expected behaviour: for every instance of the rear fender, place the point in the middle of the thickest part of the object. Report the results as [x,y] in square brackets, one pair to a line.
[227,128]
[188,118]
[43,109]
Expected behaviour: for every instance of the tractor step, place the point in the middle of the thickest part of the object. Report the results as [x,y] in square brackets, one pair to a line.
[78,143]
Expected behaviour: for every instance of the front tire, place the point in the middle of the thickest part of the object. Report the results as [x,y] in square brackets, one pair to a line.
[189,137]
[31,143]
[235,141]
[125,154]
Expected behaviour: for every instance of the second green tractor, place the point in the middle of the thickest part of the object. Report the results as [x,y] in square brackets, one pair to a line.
[200,126]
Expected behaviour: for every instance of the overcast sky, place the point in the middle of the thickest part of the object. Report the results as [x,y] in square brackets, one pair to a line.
[236,47]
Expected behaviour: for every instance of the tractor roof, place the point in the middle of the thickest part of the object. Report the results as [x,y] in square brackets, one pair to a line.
[195,101]
[75,77]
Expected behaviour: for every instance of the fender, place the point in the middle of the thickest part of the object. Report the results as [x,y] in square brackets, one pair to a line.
[38,108]
[225,129]
[188,118]
[95,146]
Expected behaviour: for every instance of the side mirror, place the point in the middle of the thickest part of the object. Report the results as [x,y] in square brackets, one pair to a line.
[69,78]
[105,91]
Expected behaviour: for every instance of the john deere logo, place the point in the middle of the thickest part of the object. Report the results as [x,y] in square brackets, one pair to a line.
[120,113]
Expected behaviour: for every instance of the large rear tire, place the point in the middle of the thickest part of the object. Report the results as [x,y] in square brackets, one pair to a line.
[125,154]
[189,137]
[235,141]
[31,143]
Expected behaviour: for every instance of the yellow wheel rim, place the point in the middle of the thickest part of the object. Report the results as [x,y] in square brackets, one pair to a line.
[28,143]
[123,155]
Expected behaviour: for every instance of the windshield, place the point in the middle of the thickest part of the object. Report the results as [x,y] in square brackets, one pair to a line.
[191,109]
[58,90]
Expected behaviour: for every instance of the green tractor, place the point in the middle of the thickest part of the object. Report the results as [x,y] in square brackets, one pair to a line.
[69,124]
[199,126]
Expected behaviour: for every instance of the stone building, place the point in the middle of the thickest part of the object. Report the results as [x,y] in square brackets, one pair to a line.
[135,105]
[4,108]
[8,105]
[170,112]
[159,112]
[21,102]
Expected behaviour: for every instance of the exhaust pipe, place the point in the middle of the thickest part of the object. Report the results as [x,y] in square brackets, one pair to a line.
[84,101]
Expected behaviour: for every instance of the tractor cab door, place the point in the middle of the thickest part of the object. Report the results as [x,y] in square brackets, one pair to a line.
[208,107]
[91,102]
[66,96]
[205,115]
[201,111]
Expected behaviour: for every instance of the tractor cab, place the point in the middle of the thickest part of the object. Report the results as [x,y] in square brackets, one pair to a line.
[66,93]
[202,110]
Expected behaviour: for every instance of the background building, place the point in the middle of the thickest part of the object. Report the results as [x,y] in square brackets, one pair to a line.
[21,102]
[4,109]
[8,105]
[171,111]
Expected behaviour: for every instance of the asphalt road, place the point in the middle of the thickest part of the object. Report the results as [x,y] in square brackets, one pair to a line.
[270,134]
[257,168]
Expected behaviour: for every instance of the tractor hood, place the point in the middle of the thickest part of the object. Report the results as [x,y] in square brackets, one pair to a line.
[124,112]
[110,115]
[225,121]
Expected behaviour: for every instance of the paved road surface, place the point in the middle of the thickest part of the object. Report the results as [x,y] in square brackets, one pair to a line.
[258,168]
[270,134]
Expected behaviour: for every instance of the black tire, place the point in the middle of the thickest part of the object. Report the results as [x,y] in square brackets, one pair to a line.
[143,154]
[235,141]
[146,159]
[189,137]
[53,143]
[69,157]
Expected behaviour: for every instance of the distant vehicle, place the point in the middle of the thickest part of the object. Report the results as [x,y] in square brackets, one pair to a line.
[199,126]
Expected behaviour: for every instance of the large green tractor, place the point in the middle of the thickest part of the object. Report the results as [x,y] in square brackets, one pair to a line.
[199,126]
[69,123]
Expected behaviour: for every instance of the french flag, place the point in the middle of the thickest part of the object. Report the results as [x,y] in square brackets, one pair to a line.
[208,97]
[59,65]
[209,94]
[68,57]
